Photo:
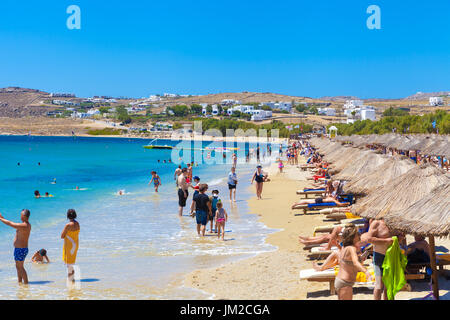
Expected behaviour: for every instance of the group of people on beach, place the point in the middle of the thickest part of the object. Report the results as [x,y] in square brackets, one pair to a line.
[355,244]
[23,231]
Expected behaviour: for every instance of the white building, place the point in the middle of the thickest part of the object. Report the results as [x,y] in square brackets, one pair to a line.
[93,112]
[352,104]
[241,108]
[259,115]
[360,113]
[229,102]
[215,110]
[327,111]
[287,106]
[436,101]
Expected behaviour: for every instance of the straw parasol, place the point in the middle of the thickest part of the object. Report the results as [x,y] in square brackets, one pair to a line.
[440,148]
[367,163]
[428,216]
[345,158]
[400,193]
[391,169]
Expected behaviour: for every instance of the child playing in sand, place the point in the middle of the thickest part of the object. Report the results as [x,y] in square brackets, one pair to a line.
[221,218]
[156,180]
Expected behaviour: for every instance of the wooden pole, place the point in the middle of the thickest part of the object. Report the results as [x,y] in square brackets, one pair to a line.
[434,275]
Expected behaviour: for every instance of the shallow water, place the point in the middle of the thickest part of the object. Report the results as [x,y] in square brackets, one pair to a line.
[131,247]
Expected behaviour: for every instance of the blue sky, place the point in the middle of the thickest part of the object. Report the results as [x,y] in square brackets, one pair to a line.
[307,48]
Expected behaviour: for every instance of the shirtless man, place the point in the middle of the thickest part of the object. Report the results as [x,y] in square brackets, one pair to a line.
[20,243]
[381,238]
[183,193]
[177,174]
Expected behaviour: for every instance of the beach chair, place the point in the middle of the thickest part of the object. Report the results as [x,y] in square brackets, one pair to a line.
[341,216]
[329,228]
[311,192]
[316,206]
[320,253]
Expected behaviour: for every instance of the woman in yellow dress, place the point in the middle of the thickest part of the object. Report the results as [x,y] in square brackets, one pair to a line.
[70,248]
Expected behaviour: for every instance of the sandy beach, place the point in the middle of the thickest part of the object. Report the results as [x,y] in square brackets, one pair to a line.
[275,275]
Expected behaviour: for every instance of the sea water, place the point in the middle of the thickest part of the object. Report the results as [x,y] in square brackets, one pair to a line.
[133,246]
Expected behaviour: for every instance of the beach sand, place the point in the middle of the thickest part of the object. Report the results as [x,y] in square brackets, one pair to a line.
[275,275]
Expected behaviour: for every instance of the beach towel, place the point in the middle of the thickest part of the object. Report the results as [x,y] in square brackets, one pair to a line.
[323,204]
[394,269]
[320,189]
[360,276]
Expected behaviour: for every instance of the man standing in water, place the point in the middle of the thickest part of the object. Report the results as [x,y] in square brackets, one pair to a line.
[177,174]
[380,236]
[183,193]
[20,243]
[232,181]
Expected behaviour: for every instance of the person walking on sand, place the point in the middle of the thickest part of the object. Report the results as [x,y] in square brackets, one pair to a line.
[234,160]
[221,219]
[203,209]
[156,180]
[23,230]
[70,248]
[232,182]
[259,177]
[183,192]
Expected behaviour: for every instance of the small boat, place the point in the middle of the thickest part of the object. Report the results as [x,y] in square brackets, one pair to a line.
[156,146]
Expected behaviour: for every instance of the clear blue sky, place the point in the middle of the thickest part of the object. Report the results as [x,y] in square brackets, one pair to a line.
[297,47]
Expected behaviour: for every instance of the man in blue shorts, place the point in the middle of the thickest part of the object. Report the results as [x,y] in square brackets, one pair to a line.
[20,243]
[202,209]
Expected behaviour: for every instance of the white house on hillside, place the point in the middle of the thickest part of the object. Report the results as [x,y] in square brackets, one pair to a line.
[436,101]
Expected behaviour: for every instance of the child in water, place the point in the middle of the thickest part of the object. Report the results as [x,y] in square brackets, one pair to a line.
[196,191]
[37,194]
[156,180]
[221,218]
[39,256]
[214,200]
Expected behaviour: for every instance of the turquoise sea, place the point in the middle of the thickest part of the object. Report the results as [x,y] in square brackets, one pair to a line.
[132,246]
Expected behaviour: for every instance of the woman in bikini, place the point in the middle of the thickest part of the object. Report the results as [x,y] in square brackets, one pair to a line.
[349,264]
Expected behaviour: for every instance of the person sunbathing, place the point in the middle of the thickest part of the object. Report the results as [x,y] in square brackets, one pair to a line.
[333,259]
[329,239]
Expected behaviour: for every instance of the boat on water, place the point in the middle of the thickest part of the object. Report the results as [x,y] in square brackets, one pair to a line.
[157,146]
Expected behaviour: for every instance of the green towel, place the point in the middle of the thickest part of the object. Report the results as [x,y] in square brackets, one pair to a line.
[394,269]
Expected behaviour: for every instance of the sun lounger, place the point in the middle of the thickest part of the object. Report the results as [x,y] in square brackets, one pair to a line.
[315,206]
[341,216]
[329,228]
[312,192]
[329,276]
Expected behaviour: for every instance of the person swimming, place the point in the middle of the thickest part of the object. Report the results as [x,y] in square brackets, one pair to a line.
[48,195]
[37,194]
[54,181]
[120,192]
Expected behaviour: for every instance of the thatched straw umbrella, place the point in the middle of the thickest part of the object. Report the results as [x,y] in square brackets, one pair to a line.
[400,193]
[440,148]
[367,163]
[430,216]
[345,158]
[391,169]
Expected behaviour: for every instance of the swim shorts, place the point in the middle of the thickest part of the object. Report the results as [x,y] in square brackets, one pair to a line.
[181,198]
[201,217]
[20,254]
[231,186]
[378,260]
